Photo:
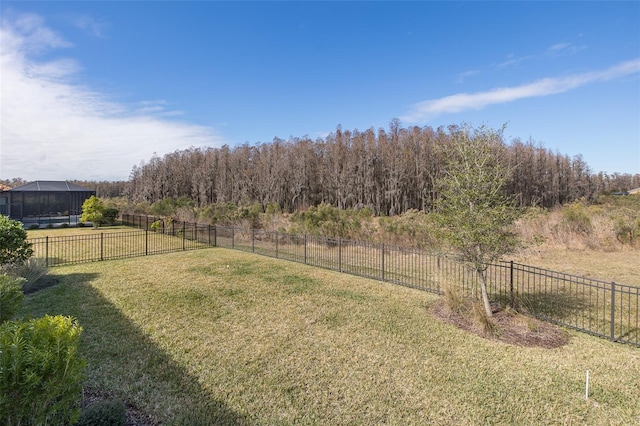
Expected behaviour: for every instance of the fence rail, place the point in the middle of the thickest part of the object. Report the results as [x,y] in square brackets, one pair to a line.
[604,309]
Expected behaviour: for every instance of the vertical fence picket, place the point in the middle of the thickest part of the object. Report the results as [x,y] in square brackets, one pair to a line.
[340,254]
[382,262]
[613,311]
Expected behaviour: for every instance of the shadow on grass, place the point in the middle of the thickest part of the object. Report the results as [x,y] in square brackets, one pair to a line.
[124,362]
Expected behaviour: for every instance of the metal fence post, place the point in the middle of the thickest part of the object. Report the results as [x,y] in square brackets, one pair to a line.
[46,251]
[209,234]
[146,242]
[613,311]
[215,236]
[183,235]
[511,298]
[438,276]
[102,246]
[233,238]
[305,249]
[340,254]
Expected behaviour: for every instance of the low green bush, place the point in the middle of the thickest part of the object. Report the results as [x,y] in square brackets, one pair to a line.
[104,413]
[109,216]
[10,296]
[156,226]
[14,246]
[42,373]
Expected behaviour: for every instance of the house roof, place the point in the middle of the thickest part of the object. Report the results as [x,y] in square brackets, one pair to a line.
[50,185]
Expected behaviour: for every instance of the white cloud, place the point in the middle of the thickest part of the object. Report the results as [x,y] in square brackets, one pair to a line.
[90,25]
[560,49]
[467,74]
[426,110]
[513,61]
[55,128]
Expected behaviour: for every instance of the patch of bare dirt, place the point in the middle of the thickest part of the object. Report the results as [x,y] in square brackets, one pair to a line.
[509,327]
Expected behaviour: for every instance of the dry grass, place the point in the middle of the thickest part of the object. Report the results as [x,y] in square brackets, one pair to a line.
[619,266]
[220,336]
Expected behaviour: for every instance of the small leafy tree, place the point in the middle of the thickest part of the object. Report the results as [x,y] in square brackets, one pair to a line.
[473,210]
[92,210]
[13,242]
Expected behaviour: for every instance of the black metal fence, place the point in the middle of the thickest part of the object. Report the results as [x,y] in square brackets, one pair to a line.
[118,245]
[605,309]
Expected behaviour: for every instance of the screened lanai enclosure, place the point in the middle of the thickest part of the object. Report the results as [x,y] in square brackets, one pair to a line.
[43,202]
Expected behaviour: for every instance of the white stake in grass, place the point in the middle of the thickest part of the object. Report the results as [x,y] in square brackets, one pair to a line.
[586,394]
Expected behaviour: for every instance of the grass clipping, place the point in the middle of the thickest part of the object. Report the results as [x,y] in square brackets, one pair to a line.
[505,325]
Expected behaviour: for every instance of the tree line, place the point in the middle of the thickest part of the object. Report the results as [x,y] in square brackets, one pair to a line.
[389,171]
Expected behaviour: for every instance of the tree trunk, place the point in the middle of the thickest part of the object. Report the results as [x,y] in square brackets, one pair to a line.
[485,295]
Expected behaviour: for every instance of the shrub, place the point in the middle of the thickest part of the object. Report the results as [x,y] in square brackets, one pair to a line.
[10,297]
[109,216]
[42,374]
[104,413]
[626,225]
[13,241]
[453,298]
[328,221]
[229,214]
[31,270]
[577,219]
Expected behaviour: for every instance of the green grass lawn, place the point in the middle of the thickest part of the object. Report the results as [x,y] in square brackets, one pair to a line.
[223,336]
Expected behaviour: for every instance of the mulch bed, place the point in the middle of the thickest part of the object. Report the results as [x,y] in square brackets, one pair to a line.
[510,327]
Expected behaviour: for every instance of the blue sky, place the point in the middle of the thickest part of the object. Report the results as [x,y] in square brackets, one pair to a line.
[90,89]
